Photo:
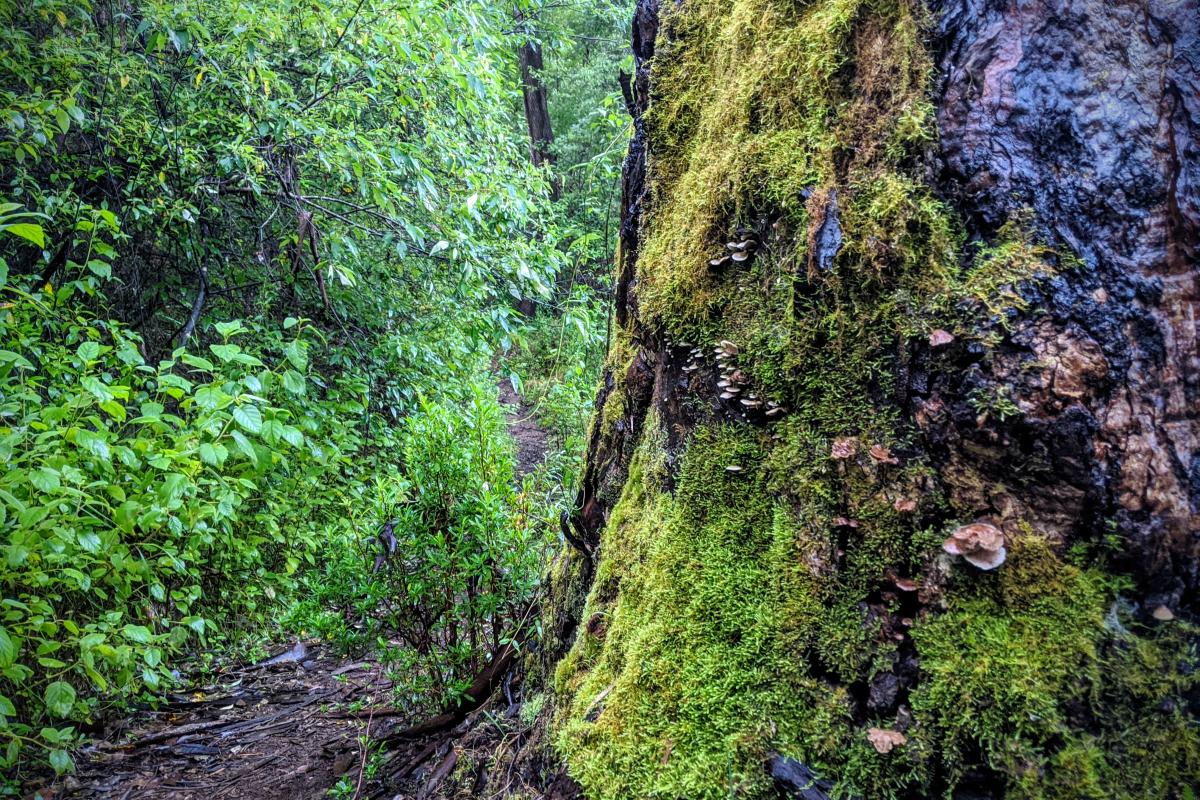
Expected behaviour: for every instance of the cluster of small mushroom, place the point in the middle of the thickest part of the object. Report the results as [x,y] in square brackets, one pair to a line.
[732,382]
[694,355]
[739,252]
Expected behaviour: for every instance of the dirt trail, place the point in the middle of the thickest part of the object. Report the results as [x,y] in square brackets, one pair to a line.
[532,440]
[285,729]
[265,732]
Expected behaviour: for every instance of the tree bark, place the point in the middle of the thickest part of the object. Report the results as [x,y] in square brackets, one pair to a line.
[537,110]
[1064,415]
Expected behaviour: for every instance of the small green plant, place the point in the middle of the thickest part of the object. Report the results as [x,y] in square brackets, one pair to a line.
[350,785]
[995,401]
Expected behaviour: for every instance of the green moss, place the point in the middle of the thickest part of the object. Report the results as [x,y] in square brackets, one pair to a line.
[709,604]
[701,594]
[1023,676]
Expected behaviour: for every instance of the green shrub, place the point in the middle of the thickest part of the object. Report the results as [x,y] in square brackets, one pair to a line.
[463,546]
[137,497]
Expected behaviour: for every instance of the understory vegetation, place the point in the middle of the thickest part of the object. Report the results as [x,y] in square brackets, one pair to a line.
[304,308]
[262,266]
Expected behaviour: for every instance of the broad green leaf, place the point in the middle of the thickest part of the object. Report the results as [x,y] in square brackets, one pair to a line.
[249,417]
[59,698]
[45,479]
[225,352]
[137,633]
[28,231]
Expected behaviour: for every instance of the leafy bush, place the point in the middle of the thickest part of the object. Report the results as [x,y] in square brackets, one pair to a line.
[460,551]
[134,497]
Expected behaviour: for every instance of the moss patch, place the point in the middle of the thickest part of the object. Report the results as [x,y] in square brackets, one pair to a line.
[1033,673]
[693,675]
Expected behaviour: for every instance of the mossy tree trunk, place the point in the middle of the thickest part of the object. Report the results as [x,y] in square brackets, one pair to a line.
[888,269]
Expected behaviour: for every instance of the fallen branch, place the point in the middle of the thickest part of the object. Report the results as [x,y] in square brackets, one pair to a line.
[481,688]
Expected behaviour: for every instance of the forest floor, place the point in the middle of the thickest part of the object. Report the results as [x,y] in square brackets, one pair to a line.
[531,438]
[287,728]
[271,731]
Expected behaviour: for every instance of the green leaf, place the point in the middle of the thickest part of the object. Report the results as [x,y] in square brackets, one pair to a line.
[60,698]
[249,417]
[9,357]
[61,761]
[228,329]
[88,352]
[291,435]
[197,361]
[45,479]
[173,487]
[297,354]
[225,352]
[208,454]
[6,707]
[27,231]
[137,633]
[294,382]
[244,447]
[8,650]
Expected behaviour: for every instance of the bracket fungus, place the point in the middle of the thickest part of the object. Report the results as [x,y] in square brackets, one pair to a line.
[882,455]
[980,543]
[884,740]
[940,338]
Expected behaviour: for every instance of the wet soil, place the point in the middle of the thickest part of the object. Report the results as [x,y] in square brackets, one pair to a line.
[275,730]
[531,439]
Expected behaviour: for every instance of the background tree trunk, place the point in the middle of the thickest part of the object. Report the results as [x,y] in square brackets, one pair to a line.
[537,110]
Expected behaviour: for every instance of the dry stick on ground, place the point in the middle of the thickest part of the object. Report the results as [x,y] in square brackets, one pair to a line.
[362,764]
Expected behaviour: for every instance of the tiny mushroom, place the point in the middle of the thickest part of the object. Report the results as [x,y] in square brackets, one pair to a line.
[733,468]
[905,584]
[719,261]
[980,543]
[881,455]
[884,740]
[844,448]
[1163,614]
[905,505]
[940,338]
